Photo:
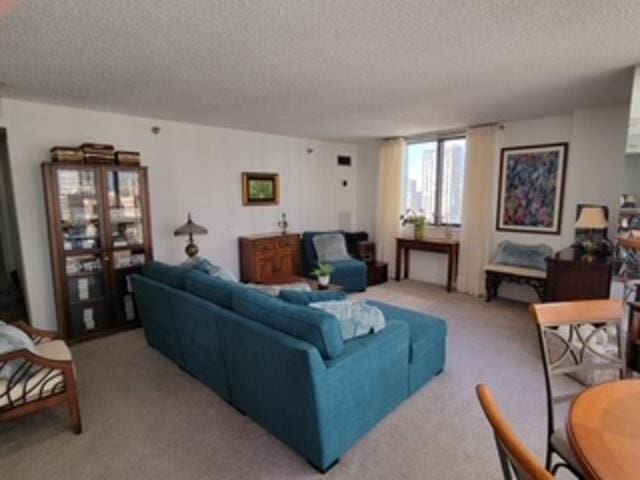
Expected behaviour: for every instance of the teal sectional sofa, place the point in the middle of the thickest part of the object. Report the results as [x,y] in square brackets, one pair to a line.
[285,365]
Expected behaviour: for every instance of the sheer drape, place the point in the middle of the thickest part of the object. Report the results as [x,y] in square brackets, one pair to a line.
[477,210]
[389,205]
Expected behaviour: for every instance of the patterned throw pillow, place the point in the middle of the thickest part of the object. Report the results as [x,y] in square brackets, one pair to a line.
[12,339]
[274,290]
[518,255]
[356,319]
[310,296]
[204,265]
[604,344]
[330,247]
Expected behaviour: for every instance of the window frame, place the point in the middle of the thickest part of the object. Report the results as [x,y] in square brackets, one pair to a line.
[440,141]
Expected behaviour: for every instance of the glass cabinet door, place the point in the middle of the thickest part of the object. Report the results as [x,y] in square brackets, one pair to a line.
[125,208]
[124,191]
[79,209]
[87,292]
[98,230]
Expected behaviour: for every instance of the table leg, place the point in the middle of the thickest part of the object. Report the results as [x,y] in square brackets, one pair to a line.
[398,265]
[449,270]
[406,262]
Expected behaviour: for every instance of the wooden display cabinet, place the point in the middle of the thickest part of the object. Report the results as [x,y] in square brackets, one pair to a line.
[99,234]
[266,258]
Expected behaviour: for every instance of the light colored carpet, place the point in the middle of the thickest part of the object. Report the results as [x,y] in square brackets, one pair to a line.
[144,418]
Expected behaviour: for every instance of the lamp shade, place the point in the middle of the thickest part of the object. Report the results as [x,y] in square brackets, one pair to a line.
[190,228]
[592,218]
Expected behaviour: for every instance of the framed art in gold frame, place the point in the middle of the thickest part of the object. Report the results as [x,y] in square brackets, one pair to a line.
[260,188]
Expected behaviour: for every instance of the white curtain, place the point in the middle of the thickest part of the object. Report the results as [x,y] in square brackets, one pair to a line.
[389,204]
[477,210]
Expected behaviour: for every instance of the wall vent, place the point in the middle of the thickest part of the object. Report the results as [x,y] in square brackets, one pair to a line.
[344,160]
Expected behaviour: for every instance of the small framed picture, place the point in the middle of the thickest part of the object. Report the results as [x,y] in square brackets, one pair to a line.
[260,188]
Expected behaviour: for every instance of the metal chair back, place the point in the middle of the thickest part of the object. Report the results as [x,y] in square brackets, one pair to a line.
[563,323]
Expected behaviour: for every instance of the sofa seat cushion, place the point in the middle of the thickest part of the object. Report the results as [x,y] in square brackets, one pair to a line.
[426,332]
[515,271]
[212,288]
[38,382]
[349,268]
[305,323]
[168,275]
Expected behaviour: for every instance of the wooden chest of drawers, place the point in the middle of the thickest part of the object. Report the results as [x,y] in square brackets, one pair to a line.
[264,258]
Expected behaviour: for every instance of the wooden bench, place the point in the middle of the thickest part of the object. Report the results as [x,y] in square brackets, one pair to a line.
[517,263]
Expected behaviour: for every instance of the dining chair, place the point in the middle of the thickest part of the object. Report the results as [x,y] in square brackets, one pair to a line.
[575,331]
[516,460]
[629,256]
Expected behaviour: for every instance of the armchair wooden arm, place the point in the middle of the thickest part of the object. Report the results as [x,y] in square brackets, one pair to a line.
[35,359]
[36,334]
[39,382]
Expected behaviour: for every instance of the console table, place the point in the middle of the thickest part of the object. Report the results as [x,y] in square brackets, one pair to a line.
[447,246]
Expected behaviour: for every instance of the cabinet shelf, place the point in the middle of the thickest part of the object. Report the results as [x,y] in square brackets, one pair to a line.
[88,301]
[106,310]
[85,274]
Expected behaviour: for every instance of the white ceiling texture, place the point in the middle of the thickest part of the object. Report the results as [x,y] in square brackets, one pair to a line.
[339,69]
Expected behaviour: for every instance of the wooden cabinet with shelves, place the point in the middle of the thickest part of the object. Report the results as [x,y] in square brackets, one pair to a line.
[99,234]
[572,275]
[266,257]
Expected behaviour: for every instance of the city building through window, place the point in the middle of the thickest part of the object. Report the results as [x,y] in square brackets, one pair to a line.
[434,179]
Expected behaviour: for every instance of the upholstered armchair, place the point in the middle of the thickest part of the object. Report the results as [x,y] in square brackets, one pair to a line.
[350,273]
[42,379]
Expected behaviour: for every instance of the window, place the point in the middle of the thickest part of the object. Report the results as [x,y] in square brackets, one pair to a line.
[434,179]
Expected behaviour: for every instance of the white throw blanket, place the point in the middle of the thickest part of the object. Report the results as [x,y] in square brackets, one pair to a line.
[355,318]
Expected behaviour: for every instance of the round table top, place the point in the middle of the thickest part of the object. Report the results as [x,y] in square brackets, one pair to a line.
[604,430]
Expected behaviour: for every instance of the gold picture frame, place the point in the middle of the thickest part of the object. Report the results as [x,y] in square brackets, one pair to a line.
[259,188]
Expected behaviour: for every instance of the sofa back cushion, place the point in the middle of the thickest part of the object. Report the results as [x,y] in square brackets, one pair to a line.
[168,275]
[212,288]
[305,298]
[308,324]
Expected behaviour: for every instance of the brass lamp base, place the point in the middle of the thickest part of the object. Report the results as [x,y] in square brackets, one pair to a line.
[191,250]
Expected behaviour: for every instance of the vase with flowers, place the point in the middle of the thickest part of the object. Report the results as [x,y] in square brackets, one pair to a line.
[417,219]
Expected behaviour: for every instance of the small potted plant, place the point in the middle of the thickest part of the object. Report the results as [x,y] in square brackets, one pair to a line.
[323,272]
[417,219]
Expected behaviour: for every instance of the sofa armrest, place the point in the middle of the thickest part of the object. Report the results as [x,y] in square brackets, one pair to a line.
[361,386]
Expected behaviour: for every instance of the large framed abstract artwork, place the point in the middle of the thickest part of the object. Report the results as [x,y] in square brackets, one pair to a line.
[531,188]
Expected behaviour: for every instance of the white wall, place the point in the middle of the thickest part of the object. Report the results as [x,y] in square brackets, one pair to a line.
[192,168]
[367,178]
[595,170]
[595,174]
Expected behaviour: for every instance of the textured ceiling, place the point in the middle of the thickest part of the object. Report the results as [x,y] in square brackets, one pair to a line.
[322,68]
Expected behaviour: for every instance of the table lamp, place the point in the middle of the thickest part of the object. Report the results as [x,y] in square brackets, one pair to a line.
[190,228]
[593,221]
